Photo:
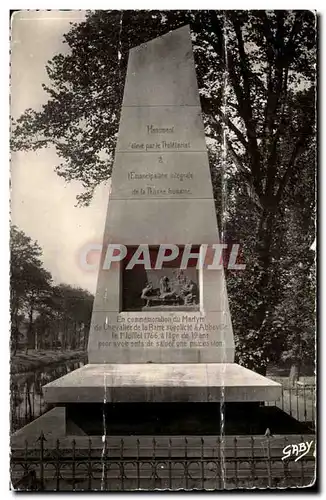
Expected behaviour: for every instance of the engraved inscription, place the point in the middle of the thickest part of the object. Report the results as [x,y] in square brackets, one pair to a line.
[154,190]
[160,332]
[151,129]
[159,146]
[160,183]
[160,175]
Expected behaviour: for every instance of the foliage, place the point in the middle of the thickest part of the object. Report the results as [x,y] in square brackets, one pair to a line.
[30,283]
[52,316]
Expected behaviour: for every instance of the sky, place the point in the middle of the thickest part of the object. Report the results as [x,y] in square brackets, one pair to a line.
[43,205]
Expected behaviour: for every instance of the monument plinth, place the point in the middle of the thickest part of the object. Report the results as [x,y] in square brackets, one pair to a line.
[161,334]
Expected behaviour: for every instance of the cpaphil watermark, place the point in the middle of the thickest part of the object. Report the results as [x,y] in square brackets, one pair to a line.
[212,257]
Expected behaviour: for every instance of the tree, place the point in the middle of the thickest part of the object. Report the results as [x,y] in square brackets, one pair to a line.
[294,316]
[74,309]
[289,326]
[38,290]
[48,311]
[29,283]
[256,74]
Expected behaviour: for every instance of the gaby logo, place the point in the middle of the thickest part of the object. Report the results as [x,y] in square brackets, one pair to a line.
[297,450]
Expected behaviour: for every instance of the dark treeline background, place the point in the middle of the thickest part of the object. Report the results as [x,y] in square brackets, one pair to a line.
[256,73]
[44,315]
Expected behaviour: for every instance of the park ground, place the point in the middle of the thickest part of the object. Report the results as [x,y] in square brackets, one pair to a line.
[34,360]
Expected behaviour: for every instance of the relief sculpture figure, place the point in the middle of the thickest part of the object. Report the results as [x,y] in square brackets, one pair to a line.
[171,292]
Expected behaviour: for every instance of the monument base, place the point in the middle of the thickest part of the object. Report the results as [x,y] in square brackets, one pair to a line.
[158,383]
[80,420]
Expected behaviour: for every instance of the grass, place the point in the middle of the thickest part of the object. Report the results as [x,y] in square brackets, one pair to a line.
[33,360]
[308,381]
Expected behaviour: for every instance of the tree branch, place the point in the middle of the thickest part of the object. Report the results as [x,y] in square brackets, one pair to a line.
[294,155]
[247,108]
[231,126]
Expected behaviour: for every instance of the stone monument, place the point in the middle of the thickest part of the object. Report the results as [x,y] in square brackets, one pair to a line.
[161,334]
[147,342]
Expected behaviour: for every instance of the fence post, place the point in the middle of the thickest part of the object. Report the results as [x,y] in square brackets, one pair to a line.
[219,461]
[253,468]
[137,464]
[302,468]
[73,464]
[202,462]
[42,439]
[122,471]
[109,455]
[25,400]
[33,404]
[235,461]
[105,464]
[186,462]
[26,451]
[89,465]
[154,464]
[170,464]
[57,468]
[269,464]
[297,395]
[285,464]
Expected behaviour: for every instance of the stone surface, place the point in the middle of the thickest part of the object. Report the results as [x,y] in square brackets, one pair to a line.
[52,424]
[176,221]
[161,192]
[162,72]
[179,382]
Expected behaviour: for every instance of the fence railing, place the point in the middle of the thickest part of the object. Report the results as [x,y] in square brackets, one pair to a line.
[299,402]
[125,464]
[26,407]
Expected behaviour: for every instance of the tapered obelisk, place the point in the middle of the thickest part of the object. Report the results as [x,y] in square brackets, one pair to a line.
[161,193]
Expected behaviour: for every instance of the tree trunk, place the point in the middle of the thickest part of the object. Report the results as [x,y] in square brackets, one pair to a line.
[85,337]
[14,341]
[14,350]
[15,330]
[30,331]
[79,330]
[36,339]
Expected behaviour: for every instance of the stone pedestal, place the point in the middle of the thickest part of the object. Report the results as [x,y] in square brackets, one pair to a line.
[161,383]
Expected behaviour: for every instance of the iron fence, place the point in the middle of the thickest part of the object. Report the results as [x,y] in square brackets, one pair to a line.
[26,406]
[163,463]
[299,402]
